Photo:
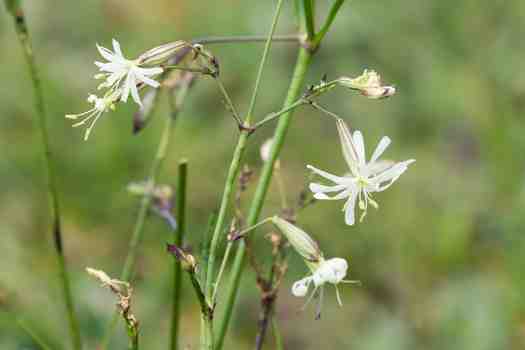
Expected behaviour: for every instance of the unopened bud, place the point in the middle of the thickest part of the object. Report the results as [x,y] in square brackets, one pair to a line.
[187,261]
[369,84]
[300,240]
[142,115]
[162,53]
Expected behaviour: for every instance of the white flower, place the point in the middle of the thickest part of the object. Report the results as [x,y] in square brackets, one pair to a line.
[331,271]
[123,74]
[364,178]
[100,106]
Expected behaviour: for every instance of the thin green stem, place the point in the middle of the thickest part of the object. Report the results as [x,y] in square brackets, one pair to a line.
[229,103]
[34,336]
[264,58]
[294,91]
[23,37]
[233,172]
[309,18]
[138,229]
[328,22]
[324,110]
[277,334]
[221,271]
[275,115]
[288,38]
[177,240]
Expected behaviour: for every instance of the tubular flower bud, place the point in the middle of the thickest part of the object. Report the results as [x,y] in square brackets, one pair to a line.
[369,84]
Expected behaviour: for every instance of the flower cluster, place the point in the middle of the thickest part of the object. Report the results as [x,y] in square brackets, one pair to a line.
[122,77]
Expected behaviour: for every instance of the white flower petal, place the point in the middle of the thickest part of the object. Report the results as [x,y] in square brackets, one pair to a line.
[347,145]
[349,208]
[315,188]
[359,144]
[116,48]
[331,177]
[300,288]
[107,54]
[381,147]
[147,81]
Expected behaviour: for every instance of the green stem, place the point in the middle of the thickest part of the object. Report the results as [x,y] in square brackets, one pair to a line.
[294,38]
[34,336]
[177,240]
[23,36]
[233,172]
[275,115]
[309,18]
[138,229]
[328,23]
[294,91]
[277,334]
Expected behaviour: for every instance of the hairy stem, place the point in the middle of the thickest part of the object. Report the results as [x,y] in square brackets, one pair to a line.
[177,240]
[23,36]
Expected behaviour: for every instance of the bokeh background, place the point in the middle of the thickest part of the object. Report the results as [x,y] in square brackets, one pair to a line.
[441,261]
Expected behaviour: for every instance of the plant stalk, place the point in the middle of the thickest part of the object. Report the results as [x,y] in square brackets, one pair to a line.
[138,229]
[177,240]
[23,36]
[294,91]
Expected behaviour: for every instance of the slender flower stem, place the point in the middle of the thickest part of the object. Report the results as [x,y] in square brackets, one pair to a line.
[34,336]
[177,240]
[229,103]
[275,115]
[221,271]
[23,36]
[234,170]
[293,38]
[309,18]
[303,61]
[328,23]
[324,110]
[138,229]
[277,334]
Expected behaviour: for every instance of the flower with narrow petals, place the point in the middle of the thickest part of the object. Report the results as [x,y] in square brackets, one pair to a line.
[123,74]
[364,177]
[100,106]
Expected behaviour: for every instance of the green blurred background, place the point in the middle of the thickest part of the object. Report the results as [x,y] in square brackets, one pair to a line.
[441,261]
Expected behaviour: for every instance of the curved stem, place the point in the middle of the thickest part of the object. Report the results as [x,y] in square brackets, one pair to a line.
[23,37]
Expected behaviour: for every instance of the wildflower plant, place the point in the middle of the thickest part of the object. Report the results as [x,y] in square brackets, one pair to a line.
[173,68]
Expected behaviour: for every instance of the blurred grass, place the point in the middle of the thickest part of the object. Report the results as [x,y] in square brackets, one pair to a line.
[440,261]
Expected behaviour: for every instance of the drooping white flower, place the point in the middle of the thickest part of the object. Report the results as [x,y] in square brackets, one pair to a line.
[100,106]
[123,74]
[364,178]
[331,271]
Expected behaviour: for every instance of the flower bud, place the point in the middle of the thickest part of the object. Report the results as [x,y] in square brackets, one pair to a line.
[300,240]
[265,150]
[369,84]
[162,53]
[187,261]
